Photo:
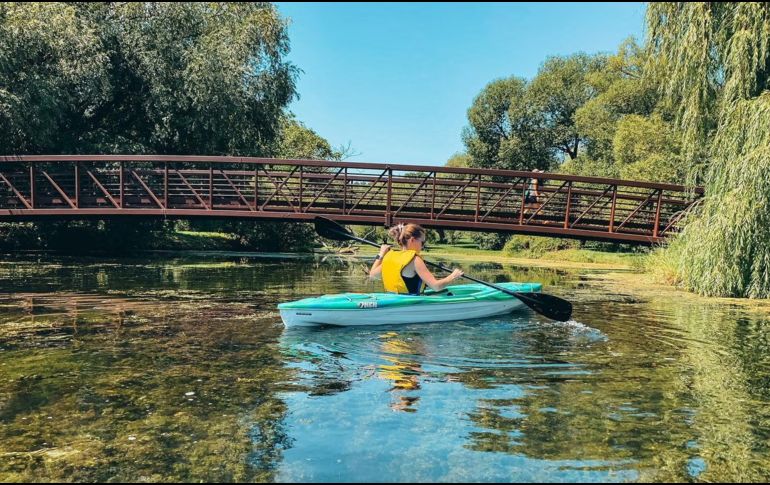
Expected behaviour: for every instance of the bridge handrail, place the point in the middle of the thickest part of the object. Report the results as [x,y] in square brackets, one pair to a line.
[335,164]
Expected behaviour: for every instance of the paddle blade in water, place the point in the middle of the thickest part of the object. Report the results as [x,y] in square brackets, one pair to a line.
[550,306]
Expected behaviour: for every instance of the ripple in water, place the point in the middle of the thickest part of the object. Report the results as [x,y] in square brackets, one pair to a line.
[513,341]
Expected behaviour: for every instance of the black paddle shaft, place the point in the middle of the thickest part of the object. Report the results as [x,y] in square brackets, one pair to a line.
[550,306]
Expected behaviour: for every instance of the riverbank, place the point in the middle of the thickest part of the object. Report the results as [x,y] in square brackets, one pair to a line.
[564,258]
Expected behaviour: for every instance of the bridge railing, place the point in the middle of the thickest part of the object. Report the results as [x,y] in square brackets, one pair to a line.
[472,199]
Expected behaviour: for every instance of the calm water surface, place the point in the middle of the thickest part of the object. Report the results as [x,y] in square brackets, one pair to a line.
[167,368]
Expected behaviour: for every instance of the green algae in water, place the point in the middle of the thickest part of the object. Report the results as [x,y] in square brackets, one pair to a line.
[156,373]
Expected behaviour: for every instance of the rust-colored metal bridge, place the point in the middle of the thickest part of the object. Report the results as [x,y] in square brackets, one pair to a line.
[106,186]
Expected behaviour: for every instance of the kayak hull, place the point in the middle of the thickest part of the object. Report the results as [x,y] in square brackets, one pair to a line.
[461,302]
[395,316]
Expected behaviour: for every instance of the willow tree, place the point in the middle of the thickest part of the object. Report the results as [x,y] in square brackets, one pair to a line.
[713,60]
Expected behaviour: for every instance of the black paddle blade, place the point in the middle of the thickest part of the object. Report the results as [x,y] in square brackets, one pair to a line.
[331,230]
[550,306]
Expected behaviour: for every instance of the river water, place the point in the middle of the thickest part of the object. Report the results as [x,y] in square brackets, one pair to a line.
[178,368]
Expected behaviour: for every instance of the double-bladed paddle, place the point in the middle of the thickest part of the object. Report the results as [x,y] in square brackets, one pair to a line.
[550,306]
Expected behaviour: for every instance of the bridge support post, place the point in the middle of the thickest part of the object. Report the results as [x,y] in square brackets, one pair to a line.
[77,185]
[433,199]
[569,204]
[32,184]
[122,191]
[523,199]
[211,186]
[612,211]
[478,199]
[657,215]
[345,194]
[388,214]
[300,188]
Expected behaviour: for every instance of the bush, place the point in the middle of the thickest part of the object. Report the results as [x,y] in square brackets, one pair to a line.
[276,236]
[452,237]
[19,236]
[376,234]
[491,240]
[536,245]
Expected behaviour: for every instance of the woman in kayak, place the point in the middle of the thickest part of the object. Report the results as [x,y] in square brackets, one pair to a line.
[404,271]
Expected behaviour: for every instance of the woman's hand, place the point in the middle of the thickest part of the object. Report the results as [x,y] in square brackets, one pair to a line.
[384,249]
[457,273]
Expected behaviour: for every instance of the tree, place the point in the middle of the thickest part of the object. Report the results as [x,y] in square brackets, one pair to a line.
[459,160]
[560,88]
[712,62]
[143,77]
[647,148]
[297,141]
[522,125]
[53,70]
[505,130]
[621,91]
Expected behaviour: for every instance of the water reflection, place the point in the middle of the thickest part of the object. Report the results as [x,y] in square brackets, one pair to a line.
[403,369]
[179,369]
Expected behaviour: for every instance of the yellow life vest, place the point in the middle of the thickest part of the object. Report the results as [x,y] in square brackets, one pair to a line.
[392,264]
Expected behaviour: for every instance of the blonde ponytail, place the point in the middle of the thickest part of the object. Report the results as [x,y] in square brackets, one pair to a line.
[401,233]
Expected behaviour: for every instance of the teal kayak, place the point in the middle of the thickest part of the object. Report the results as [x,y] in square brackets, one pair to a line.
[460,302]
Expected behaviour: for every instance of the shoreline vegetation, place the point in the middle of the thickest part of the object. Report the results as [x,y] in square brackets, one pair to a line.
[622,271]
[630,269]
[463,250]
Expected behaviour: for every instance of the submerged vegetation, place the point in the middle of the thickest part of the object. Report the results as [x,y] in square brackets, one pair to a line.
[156,369]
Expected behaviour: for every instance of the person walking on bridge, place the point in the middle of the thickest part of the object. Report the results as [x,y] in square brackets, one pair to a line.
[532,194]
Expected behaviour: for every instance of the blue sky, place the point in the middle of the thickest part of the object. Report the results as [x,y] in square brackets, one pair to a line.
[396,80]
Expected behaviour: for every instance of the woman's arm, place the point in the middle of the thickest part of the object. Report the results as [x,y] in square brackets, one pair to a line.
[376,269]
[427,277]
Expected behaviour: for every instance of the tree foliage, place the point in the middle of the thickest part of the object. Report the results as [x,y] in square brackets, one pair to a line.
[520,125]
[647,148]
[561,87]
[505,128]
[147,77]
[621,91]
[716,57]
[161,78]
[52,72]
[297,141]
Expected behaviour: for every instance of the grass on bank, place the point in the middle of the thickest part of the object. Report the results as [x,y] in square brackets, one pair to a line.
[200,241]
[464,249]
[572,257]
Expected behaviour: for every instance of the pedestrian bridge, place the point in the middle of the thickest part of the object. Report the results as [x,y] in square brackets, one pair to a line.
[108,186]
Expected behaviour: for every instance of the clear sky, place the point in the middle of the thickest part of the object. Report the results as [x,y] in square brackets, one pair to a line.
[396,80]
